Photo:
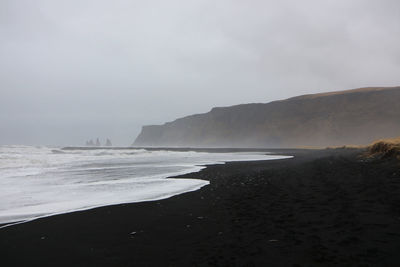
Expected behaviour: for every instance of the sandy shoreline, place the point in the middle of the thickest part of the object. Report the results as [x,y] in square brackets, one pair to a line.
[321,208]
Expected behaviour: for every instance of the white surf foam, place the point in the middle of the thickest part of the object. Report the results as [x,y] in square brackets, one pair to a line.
[43,181]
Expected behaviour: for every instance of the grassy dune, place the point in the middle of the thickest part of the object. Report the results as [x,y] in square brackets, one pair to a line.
[385,148]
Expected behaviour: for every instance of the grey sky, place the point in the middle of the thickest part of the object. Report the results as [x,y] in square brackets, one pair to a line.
[74,70]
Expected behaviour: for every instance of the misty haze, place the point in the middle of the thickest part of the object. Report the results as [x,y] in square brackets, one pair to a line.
[199,133]
[76,70]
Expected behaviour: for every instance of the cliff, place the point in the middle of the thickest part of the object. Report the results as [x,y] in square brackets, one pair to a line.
[357,116]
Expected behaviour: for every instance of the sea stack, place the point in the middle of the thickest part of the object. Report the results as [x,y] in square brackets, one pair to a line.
[90,143]
[108,142]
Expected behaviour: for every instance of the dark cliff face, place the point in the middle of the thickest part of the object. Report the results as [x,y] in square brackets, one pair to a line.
[348,117]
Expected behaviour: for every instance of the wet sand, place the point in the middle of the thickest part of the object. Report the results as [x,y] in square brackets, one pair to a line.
[321,208]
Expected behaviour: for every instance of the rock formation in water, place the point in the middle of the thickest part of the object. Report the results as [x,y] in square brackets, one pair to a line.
[108,142]
[90,143]
[357,116]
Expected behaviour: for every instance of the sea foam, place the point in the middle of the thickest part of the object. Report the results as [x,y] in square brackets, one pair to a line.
[43,181]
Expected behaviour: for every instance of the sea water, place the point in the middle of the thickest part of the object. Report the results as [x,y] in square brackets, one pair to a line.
[43,181]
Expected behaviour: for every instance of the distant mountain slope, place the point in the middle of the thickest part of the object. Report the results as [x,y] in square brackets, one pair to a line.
[356,116]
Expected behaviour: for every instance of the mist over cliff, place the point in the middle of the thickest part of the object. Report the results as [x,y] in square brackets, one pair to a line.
[356,116]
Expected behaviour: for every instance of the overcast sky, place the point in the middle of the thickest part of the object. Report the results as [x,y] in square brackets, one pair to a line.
[75,70]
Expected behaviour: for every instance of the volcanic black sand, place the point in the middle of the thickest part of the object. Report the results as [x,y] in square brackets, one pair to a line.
[321,208]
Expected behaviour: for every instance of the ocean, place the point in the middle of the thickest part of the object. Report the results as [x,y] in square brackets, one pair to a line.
[39,181]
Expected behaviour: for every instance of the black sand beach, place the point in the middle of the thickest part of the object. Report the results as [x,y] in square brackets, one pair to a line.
[321,208]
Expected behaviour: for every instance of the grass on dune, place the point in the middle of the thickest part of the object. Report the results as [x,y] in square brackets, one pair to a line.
[385,148]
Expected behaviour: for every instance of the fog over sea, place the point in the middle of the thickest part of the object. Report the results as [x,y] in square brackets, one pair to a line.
[43,181]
